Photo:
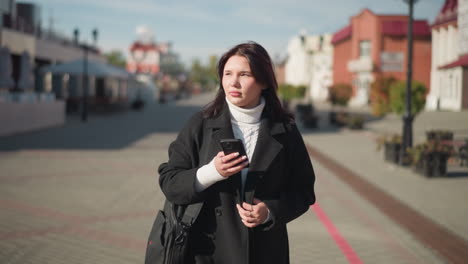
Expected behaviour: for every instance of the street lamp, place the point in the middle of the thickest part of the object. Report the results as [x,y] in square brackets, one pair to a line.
[407,140]
[84,108]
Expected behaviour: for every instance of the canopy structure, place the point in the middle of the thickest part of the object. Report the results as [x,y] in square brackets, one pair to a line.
[94,68]
[25,80]
[6,81]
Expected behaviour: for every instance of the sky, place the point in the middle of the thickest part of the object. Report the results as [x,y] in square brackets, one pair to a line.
[200,28]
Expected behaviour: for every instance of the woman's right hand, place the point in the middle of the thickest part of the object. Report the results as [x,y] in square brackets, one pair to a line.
[228,165]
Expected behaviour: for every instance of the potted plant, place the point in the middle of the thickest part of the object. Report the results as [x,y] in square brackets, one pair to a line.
[355,122]
[430,158]
[463,154]
[392,147]
[398,103]
[441,152]
[341,118]
[415,153]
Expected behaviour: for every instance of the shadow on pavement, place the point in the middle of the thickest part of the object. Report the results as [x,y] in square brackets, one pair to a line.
[457,174]
[111,130]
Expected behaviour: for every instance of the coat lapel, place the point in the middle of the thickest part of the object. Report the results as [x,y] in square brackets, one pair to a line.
[266,150]
[221,126]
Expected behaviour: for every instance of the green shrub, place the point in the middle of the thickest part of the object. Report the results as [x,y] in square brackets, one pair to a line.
[379,95]
[288,91]
[398,97]
[301,91]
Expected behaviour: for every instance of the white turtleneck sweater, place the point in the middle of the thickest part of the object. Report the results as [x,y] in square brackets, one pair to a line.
[245,126]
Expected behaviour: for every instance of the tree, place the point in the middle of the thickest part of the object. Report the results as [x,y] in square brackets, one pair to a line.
[398,97]
[197,72]
[212,69]
[116,58]
[380,95]
[205,75]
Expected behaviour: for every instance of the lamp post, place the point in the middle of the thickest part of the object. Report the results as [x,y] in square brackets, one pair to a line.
[407,139]
[84,108]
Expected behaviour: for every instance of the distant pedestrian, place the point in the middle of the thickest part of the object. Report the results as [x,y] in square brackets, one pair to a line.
[164,89]
[248,199]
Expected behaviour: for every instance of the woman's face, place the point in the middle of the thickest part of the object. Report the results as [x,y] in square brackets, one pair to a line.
[239,84]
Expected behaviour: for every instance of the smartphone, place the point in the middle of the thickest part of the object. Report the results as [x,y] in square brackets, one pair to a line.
[232,145]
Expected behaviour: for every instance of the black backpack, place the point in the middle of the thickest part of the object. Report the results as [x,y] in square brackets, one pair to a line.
[169,236]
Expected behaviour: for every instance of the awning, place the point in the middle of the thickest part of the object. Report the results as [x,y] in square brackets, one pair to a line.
[25,79]
[6,80]
[94,68]
[461,62]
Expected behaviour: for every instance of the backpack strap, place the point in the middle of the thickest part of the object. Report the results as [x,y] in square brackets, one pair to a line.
[191,213]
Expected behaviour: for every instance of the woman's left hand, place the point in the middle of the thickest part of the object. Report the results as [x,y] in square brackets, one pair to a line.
[254,214]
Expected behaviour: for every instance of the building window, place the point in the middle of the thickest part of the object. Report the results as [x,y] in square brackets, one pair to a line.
[321,43]
[364,48]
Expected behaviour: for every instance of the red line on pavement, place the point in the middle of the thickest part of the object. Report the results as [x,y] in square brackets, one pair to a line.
[384,236]
[340,241]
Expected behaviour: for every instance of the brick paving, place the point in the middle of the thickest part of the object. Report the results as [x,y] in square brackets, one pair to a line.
[87,193]
[449,245]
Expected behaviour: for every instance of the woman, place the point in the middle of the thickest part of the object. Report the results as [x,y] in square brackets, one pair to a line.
[247,199]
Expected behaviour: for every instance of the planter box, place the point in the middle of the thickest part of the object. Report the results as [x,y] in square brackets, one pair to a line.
[463,154]
[310,121]
[304,108]
[392,152]
[433,164]
[338,118]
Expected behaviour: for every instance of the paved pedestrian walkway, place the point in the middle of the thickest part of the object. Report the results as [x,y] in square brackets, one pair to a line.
[88,193]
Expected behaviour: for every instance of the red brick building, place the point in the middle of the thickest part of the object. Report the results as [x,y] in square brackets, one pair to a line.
[372,45]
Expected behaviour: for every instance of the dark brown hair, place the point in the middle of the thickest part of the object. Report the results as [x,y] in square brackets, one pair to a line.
[262,70]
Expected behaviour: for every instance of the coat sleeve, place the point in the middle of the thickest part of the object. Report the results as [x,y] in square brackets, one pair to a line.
[177,175]
[298,194]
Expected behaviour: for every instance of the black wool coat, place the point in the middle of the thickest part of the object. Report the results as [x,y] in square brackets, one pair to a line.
[280,174]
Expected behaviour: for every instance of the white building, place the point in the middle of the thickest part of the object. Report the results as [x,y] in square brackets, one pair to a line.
[309,63]
[449,74]
[321,69]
